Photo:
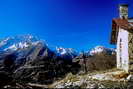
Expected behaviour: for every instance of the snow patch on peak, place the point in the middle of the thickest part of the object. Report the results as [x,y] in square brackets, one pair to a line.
[100,49]
[68,53]
[20,45]
[13,47]
[23,45]
[3,42]
[18,42]
[61,50]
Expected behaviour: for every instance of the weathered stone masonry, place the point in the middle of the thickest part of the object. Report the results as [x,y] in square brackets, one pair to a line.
[130,50]
[122,37]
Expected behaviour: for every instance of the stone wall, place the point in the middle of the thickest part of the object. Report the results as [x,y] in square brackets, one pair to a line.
[130,50]
[130,45]
[122,50]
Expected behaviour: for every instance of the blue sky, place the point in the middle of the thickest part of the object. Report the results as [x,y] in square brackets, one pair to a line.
[79,24]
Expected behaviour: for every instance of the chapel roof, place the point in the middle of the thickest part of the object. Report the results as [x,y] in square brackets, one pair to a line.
[126,24]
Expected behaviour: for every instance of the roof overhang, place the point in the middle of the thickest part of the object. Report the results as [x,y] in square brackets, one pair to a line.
[119,23]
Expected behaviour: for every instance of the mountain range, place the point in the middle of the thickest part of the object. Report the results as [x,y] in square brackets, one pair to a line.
[25,45]
[26,58]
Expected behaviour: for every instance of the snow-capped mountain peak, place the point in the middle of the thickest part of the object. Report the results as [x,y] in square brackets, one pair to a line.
[23,45]
[61,50]
[3,42]
[67,53]
[100,49]
[20,45]
[97,49]
[18,42]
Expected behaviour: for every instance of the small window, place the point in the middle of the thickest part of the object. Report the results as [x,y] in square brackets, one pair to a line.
[120,51]
[120,43]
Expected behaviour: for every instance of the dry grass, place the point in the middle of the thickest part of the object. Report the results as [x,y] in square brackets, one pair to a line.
[101,62]
[114,84]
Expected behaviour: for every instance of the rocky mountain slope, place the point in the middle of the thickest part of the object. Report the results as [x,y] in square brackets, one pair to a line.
[26,59]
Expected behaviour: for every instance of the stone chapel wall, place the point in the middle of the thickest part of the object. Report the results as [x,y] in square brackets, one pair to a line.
[130,44]
[122,50]
[130,50]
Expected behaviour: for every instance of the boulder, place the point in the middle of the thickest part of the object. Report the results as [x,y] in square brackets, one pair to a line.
[5,78]
[130,78]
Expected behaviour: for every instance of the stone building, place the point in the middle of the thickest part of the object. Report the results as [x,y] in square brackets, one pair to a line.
[122,37]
